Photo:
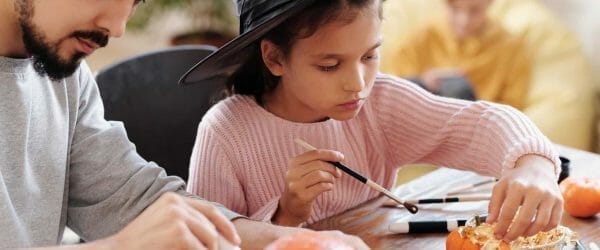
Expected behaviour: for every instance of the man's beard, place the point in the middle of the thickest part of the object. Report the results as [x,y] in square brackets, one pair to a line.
[46,60]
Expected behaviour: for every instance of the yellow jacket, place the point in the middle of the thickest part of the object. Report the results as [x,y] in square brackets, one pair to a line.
[561,96]
[496,63]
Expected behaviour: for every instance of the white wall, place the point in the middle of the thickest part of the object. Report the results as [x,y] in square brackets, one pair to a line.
[583,18]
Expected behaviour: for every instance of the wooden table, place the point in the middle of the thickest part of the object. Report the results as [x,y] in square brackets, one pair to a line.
[371,221]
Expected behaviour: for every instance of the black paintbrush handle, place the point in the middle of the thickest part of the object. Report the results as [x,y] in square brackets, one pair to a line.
[349,171]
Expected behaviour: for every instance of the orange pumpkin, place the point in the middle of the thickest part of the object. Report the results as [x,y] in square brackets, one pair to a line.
[581,195]
[458,240]
[454,240]
[309,240]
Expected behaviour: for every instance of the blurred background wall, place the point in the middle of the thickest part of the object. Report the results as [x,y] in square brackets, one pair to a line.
[161,23]
[583,18]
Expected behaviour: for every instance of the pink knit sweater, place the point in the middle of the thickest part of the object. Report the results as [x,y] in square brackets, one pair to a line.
[241,152]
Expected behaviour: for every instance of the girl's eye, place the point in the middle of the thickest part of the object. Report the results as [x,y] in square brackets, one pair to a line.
[370,57]
[139,1]
[328,68]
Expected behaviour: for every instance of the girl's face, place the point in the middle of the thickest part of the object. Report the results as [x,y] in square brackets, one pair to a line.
[329,74]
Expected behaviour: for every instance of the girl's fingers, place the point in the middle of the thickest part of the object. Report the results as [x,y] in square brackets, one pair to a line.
[306,163]
[317,165]
[524,218]
[508,210]
[498,196]
[319,154]
[542,217]
[315,177]
[315,190]
[313,184]
[555,217]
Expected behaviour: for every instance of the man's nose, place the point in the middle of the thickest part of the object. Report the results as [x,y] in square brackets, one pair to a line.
[115,16]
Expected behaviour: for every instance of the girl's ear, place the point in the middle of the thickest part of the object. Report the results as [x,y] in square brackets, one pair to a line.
[272,56]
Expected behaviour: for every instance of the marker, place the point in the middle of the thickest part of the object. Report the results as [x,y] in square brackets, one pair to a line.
[433,226]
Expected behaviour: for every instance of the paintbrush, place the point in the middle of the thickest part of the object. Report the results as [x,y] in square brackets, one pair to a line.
[461,198]
[460,189]
[409,206]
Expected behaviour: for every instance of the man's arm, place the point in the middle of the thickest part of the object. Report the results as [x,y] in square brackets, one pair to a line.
[152,232]
[109,183]
[172,222]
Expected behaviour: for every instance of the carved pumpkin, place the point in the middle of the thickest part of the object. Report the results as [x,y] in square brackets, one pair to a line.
[309,240]
[581,195]
[459,240]
[473,237]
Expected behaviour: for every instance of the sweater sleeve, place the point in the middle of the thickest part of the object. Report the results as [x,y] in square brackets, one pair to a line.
[109,183]
[218,176]
[212,173]
[479,136]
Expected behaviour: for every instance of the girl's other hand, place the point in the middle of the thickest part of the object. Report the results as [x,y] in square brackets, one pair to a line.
[526,200]
[308,176]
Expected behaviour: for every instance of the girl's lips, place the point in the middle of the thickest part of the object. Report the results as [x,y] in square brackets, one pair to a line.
[86,46]
[352,105]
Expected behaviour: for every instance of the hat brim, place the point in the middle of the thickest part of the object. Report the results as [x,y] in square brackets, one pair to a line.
[228,58]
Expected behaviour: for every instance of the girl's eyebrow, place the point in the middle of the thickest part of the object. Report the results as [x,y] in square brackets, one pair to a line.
[335,56]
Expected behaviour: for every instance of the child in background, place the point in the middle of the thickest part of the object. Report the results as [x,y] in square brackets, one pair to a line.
[465,46]
[310,70]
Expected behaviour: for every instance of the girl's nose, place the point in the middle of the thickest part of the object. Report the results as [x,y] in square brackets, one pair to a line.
[355,81]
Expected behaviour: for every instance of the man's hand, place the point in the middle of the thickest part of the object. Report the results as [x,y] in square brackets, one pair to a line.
[176,222]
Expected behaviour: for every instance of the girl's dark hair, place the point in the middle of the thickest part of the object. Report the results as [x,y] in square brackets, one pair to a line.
[253,78]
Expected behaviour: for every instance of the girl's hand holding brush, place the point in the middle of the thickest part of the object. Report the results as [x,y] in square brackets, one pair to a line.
[308,176]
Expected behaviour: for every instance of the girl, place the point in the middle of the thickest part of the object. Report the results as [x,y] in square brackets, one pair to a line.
[309,71]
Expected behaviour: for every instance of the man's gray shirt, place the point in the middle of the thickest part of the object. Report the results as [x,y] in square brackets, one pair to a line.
[62,164]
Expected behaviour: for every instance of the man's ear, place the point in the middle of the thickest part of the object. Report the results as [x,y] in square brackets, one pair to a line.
[272,56]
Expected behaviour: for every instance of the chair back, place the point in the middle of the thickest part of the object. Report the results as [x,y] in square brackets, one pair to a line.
[161,117]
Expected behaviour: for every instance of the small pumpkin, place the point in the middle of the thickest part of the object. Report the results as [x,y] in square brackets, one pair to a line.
[454,240]
[581,195]
[464,238]
[309,240]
